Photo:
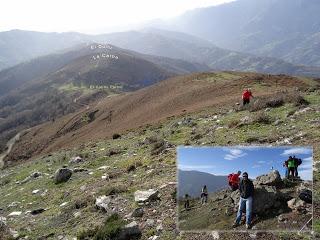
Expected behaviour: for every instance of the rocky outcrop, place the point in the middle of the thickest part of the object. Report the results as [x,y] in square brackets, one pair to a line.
[137,213]
[75,160]
[103,202]
[297,205]
[62,175]
[265,198]
[271,179]
[270,196]
[130,231]
[33,175]
[146,196]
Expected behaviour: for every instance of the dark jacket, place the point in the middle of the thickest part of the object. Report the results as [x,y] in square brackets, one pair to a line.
[246,188]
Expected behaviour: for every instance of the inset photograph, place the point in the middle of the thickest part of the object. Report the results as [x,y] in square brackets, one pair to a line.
[245,188]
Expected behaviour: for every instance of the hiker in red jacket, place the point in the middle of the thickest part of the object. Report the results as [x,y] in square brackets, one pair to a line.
[246,95]
[234,180]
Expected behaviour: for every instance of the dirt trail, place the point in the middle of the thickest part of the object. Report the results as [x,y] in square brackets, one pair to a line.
[10,144]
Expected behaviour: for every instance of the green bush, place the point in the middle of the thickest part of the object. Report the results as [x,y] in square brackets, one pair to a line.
[113,190]
[234,123]
[108,231]
[157,147]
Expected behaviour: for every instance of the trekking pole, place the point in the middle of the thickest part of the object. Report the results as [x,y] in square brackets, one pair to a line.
[305,224]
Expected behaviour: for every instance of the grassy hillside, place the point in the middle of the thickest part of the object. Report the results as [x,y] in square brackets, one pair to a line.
[144,157]
[149,105]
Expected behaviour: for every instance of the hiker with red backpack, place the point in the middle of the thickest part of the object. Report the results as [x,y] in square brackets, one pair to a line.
[234,180]
[246,95]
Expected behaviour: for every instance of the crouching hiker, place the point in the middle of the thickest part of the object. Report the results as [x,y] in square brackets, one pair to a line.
[246,197]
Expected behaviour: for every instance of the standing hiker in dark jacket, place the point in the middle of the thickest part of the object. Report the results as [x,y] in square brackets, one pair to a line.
[297,163]
[246,197]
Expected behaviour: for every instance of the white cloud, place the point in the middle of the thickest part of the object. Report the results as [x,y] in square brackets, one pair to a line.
[305,169]
[256,166]
[195,167]
[308,159]
[306,174]
[261,162]
[296,151]
[234,154]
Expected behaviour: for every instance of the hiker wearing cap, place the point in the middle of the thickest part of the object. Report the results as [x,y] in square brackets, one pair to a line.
[204,194]
[233,180]
[246,197]
[246,95]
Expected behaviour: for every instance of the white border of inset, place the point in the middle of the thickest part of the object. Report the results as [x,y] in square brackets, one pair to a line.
[243,231]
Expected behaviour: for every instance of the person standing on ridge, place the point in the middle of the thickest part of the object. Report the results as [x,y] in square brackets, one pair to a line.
[186,202]
[297,163]
[204,194]
[291,167]
[246,197]
[285,164]
[246,95]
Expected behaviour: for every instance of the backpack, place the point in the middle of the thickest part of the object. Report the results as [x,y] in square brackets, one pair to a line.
[230,177]
[299,161]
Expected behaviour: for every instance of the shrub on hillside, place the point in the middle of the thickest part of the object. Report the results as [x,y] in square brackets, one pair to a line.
[234,123]
[296,99]
[262,117]
[116,136]
[109,230]
[113,190]
[158,146]
[113,151]
[277,100]
[83,202]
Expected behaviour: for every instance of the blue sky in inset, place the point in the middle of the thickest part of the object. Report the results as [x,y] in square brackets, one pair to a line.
[254,160]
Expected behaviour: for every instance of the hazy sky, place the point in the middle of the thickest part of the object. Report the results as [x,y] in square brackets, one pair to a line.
[254,160]
[90,16]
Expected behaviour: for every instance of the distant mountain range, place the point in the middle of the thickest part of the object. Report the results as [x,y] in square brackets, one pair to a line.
[156,42]
[285,29]
[191,182]
[17,46]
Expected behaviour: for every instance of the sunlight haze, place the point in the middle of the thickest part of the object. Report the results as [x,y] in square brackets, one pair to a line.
[94,16]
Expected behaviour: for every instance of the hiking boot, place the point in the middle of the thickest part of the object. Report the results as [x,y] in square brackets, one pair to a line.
[248,226]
